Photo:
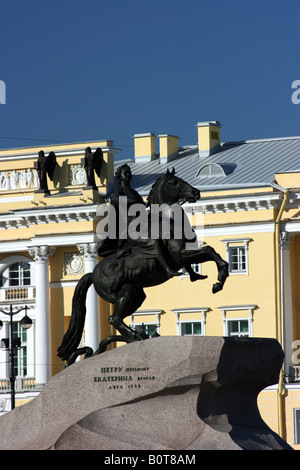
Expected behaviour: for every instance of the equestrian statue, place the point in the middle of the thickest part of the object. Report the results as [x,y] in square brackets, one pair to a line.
[130,262]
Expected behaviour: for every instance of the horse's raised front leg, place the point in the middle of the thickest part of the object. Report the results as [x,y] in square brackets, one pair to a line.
[204,254]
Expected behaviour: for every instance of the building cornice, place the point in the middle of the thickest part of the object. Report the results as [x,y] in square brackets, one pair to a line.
[55,214]
[64,239]
[234,203]
[58,153]
[210,205]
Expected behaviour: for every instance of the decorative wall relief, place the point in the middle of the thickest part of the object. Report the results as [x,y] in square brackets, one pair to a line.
[74,264]
[18,179]
[77,175]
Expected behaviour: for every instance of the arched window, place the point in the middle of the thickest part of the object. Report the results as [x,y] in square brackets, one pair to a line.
[210,169]
[16,279]
[18,274]
[216,170]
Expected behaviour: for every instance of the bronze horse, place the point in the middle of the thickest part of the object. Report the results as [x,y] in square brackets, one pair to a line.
[137,272]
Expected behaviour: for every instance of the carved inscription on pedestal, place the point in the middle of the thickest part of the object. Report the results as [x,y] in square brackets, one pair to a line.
[120,378]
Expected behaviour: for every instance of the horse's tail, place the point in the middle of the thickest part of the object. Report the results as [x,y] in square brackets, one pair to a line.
[73,334]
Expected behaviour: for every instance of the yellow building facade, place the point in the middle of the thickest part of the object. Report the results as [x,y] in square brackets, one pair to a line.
[248,212]
[48,242]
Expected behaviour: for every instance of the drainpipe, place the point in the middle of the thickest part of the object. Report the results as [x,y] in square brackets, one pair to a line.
[279,333]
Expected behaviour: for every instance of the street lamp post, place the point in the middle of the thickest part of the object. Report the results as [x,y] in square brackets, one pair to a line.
[14,343]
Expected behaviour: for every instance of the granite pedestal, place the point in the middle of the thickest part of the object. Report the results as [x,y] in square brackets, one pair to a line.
[165,393]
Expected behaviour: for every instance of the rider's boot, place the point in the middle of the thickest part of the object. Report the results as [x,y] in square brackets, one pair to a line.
[193,275]
[163,263]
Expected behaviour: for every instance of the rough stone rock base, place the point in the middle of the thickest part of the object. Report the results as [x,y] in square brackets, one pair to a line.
[166,393]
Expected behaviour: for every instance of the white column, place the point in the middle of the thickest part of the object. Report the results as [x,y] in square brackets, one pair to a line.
[42,327]
[92,321]
[286,299]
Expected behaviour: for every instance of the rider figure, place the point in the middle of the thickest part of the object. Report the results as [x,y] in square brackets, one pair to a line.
[147,247]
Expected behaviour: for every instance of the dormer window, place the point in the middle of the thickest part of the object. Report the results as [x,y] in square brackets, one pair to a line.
[210,169]
[215,170]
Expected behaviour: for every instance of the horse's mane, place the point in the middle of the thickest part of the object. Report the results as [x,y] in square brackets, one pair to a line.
[152,198]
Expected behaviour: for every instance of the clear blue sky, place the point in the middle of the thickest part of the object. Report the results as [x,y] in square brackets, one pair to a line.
[78,70]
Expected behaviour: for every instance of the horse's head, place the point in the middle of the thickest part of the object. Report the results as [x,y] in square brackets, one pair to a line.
[169,189]
[177,190]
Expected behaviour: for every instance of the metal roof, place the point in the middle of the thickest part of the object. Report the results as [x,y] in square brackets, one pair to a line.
[236,164]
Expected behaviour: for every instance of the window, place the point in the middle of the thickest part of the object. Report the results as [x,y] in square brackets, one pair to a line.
[191,321]
[195,267]
[146,321]
[238,319]
[17,279]
[215,170]
[237,255]
[297,425]
[149,329]
[238,328]
[237,259]
[191,328]
[20,359]
[17,274]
